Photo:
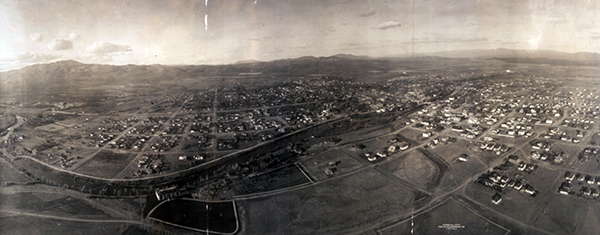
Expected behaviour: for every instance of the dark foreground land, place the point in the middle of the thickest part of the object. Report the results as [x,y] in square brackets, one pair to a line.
[329,145]
[217,217]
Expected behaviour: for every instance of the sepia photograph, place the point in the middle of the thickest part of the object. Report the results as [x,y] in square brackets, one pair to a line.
[235,117]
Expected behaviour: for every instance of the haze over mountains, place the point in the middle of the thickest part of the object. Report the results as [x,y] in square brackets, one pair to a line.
[343,64]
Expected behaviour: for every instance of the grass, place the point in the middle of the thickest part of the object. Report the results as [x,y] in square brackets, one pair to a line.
[464,221]
[105,164]
[339,206]
[318,164]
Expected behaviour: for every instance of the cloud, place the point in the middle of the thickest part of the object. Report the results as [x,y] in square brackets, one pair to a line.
[60,44]
[36,37]
[17,61]
[368,12]
[389,24]
[32,57]
[261,39]
[73,36]
[107,48]
[451,40]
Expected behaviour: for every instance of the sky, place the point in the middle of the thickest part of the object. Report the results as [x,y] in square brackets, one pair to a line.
[227,31]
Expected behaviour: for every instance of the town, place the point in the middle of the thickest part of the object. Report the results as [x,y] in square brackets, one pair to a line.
[489,144]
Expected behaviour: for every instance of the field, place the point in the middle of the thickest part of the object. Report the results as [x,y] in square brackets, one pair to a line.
[10,174]
[216,216]
[413,167]
[450,217]
[412,134]
[317,165]
[591,221]
[363,134]
[16,224]
[460,171]
[52,204]
[105,164]
[351,203]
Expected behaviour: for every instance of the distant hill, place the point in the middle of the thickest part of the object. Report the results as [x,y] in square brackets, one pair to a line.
[64,74]
[248,61]
[528,56]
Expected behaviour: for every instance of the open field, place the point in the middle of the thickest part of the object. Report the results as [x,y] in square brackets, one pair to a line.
[413,167]
[343,163]
[11,223]
[412,134]
[106,164]
[217,217]
[50,204]
[450,217]
[357,201]
[460,171]
[11,175]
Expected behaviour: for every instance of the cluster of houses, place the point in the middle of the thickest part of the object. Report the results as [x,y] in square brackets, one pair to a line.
[582,123]
[442,140]
[100,139]
[129,142]
[542,151]
[66,162]
[573,136]
[236,122]
[152,164]
[589,153]
[165,143]
[499,179]
[494,147]
[395,146]
[177,126]
[150,125]
[580,185]
[115,126]
[469,132]
[514,127]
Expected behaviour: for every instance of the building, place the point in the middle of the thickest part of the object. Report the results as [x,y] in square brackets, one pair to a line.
[497,198]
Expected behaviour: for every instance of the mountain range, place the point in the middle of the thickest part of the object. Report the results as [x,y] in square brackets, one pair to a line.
[340,64]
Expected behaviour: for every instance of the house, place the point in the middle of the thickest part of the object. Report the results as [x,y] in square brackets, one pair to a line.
[522,166]
[381,154]
[496,199]
[405,147]
[463,158]
[530,190]
[590,180]
[569,176]
[518,185]
[371,157]
[513,159]
[580,177]
[586,191]
[564,191]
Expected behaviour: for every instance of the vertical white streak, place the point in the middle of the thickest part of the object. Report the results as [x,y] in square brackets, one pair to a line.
[206,22]
[206,16]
